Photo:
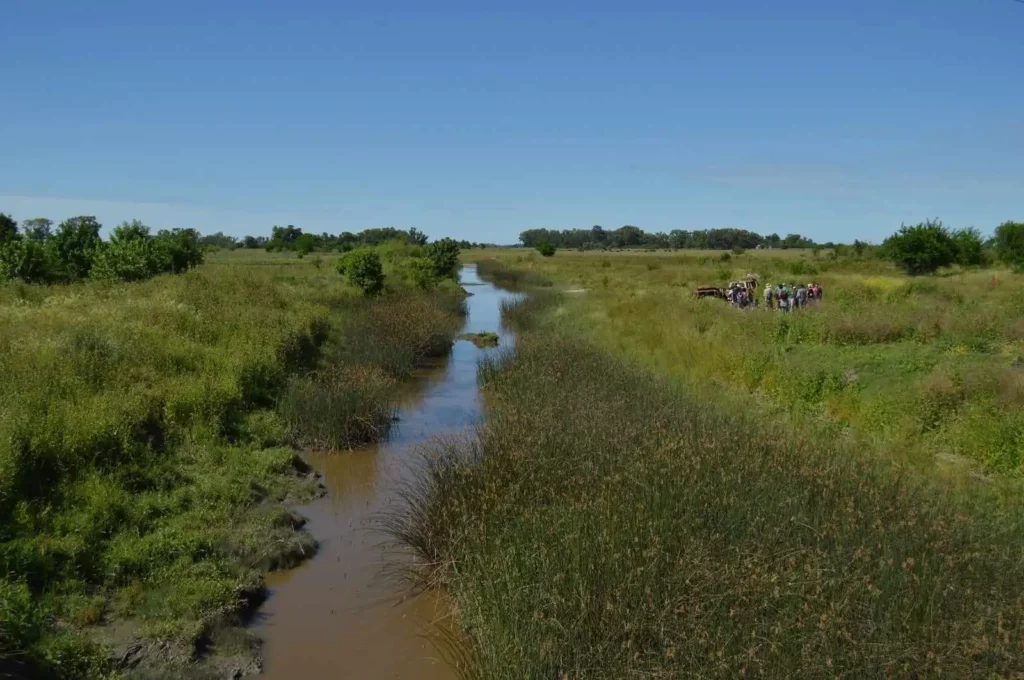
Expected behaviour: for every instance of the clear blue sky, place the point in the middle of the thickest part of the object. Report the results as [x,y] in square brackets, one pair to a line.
[838,120]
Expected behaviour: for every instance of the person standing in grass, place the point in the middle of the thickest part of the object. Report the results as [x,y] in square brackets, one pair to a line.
[801,296]
[768,294]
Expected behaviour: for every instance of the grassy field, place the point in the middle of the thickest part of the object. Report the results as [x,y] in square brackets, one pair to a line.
[929,370]
[148,438]
[622,515]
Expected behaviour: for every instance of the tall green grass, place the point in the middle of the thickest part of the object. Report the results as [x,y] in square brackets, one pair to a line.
[607,524]
[350,399]
[146,454]
[867,361]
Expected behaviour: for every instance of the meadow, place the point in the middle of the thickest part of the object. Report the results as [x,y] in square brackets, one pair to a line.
[928,370]
[668,487]
[149,441]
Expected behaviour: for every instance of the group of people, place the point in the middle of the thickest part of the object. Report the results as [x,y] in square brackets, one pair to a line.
[785,297]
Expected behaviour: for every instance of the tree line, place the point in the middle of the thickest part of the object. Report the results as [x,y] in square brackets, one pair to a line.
[38,252]
[629,236]
[292,238]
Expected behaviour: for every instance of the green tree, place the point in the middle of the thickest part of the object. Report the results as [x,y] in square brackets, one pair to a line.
[546,249]
[8,229]
[364,270]
[859,247]
[921,249]
[1009,244]
[444,256]
[305,244]
[37,228]
[28,260]
[176,251]
[416,237]
[75,245]
[970,248]
[125,260]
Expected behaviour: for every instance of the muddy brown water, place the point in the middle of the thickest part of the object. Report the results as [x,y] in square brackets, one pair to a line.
[340,614]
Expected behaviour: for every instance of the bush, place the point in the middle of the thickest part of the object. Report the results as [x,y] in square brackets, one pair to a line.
[1009,244]
[921,249]
[125,260]
[8,229]
[363,270]
[970,249]
[28,260]
[75,245]
[444,255]
[305,244]
[546,249]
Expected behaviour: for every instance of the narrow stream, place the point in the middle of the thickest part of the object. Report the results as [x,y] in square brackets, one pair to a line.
[338,615]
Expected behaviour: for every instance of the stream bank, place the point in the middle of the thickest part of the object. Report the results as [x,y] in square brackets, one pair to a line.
[339,614]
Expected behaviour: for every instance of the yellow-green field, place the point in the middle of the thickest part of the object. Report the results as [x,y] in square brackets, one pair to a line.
[928,369]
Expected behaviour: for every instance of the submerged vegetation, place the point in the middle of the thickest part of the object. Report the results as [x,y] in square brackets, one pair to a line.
[147,452]
[608,522]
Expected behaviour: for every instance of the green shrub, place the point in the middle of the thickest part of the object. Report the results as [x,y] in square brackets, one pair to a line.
[970,249]
[1009,243]
[364,270]
[28,260]
[921,249]
[75,245]
[444,256]
[8,229]
[124,260]
[546,249]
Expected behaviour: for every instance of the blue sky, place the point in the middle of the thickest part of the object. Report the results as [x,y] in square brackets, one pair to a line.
[838,120]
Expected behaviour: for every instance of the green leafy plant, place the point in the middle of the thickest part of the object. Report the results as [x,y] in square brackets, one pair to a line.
[444,256]
[364,270]
[1009,244]
[921,249]
[546,249]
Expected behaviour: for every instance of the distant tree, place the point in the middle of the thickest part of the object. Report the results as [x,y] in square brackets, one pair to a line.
[37,229]
[305,244]
[546,249]
[970,248]
[416,237]
[629,236]
[364,270]
[1009,244]
[678,238]
[921,249]
[444,257]
[219,240]
[859,247]
[75,245]
[8,229]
